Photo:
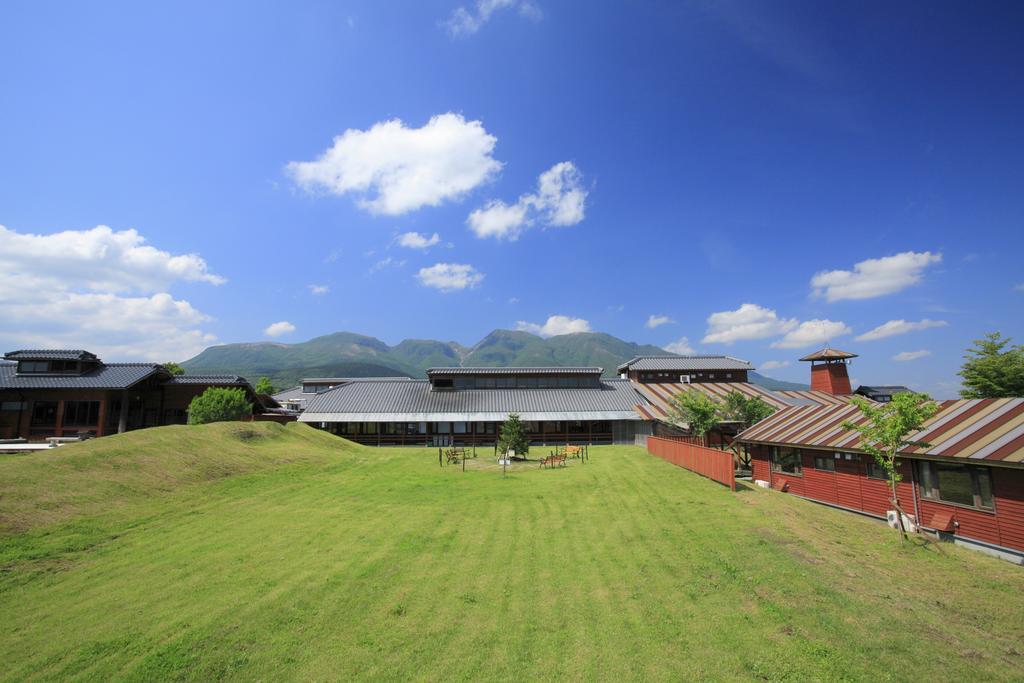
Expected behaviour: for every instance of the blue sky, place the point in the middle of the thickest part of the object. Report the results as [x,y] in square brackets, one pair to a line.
[725,166]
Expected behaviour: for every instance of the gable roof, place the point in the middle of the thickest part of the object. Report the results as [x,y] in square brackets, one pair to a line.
[989,429]
[106,376]
[415,401]
[50,354]
[515,371]
[684,363]
[828,354]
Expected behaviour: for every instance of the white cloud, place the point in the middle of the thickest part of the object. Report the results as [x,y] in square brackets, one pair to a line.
[681,346]
[773,364]
[513,300]
[414,240]
[1020,287]
[749,321]
[874,277]
[465,22]
[560,200]
[911,355]
[279,328]
[387,262]
[319,290]
[812,332]
[394,169]
[555,325]
[450,277]
[101,290]
[896,327]
[654,321]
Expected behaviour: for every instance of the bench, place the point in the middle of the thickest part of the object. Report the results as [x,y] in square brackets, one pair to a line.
[455,454]
[552,460]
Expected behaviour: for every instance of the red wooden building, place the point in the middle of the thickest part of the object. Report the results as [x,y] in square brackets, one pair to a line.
[968,484]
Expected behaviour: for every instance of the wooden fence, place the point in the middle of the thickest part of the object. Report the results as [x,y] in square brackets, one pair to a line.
[709,462]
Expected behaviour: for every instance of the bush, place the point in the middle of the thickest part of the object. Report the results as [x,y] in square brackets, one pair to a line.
[218,405]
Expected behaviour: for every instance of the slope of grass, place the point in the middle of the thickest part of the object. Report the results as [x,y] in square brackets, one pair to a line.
[316,559]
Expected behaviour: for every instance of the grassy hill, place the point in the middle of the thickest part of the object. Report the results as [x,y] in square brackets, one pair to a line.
[247,552]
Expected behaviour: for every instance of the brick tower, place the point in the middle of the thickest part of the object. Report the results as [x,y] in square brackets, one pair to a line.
[828,370]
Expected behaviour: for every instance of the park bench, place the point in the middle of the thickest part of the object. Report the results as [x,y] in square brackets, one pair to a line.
[455,454]
[553,459]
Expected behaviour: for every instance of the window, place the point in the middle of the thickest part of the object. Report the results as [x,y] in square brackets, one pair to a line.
[786,460]
[44,413]
[954,483]
[33,366]
[874,470]
[12,405]
[825,462]
[444,383]
[81,413]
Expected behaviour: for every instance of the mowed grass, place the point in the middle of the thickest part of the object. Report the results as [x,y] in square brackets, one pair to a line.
[269,552]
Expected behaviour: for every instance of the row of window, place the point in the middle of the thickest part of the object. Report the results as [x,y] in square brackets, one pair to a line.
[941,481]
[418,428]
[514,382]
[30,366]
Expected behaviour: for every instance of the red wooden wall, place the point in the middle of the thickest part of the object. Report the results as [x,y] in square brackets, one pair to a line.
[709,462]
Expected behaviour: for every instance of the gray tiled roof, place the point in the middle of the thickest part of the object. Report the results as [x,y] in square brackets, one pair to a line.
[516,371]
[50,354]
[208,379]
[342,380]
[107,376]
[415,401]
[685,363]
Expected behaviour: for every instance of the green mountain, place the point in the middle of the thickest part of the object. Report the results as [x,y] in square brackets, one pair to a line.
[776,384]
[344,354]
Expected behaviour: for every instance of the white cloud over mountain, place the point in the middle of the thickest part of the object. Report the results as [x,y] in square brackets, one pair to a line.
[560,200]
[654,321]
[874,277]
[681,346]
[897,327]
[394,169]
[555,325]
[747,322]
[450,277]
[812,332]
[773,364]
[279,328]
[102,290]
[905,356]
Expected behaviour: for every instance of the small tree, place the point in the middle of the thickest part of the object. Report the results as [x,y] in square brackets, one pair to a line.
[513,436]
[263,386]
[218,404]
[991,370]
[696,410]
[747,410]
[886,433]
[173,368]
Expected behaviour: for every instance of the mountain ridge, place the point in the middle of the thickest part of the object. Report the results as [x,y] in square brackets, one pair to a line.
[348,354]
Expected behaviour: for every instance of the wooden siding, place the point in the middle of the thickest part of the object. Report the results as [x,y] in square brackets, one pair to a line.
[709,462]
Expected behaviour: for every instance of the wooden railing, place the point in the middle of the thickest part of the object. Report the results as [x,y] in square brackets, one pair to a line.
[709,462]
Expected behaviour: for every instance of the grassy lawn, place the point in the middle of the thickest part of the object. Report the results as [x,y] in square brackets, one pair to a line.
[269,552]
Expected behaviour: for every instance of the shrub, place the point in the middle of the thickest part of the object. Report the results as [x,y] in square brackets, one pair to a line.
[513,436]
[218,405]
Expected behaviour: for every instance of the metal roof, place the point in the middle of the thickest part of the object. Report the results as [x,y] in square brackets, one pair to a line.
[415,401]
[341,380]
[659,395]
[516,371]
[807,397]
[989,429]
[685,363]
[889,389]
[106,376]
[829,354]
[50,354]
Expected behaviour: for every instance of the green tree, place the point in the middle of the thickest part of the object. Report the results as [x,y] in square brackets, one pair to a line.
[747,410]
[218,404]
[887,431]
[991,370]
[512,436]
[173,368]
[695,410]
[263,386]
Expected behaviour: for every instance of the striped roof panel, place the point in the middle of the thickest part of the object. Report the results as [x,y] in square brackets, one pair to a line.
[660,394]
[989,429]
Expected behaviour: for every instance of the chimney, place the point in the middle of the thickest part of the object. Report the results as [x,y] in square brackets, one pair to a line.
[828,371]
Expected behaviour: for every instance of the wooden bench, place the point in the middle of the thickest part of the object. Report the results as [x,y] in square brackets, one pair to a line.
[455,454]
[552,460]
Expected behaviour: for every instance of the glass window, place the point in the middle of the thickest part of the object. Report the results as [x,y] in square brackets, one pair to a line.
[12,405]
[44,413]
[825,462]
[461,427]
[81,413]
[954,483]
[874,470]
[443,428]
[786,460]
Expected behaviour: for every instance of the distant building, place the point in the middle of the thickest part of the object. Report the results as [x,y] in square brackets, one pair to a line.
[881,394]
[465,406]
[45,393]
[294,399]
[685,369]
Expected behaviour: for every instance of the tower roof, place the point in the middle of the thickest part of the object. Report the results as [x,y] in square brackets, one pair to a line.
[828,354]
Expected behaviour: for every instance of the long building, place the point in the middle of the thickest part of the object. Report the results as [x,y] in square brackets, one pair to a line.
[67,393]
